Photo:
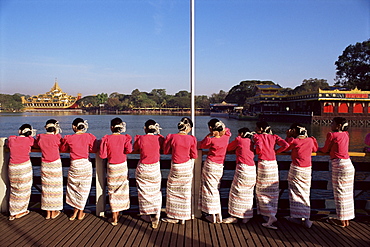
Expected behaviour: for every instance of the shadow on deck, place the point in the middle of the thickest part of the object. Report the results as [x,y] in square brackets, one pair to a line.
[34,230]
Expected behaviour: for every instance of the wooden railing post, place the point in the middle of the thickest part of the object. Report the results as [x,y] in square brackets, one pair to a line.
[100,179]
[4,181]
[197,175]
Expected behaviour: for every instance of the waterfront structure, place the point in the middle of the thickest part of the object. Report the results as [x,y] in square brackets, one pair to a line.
[55,99]
[316,107]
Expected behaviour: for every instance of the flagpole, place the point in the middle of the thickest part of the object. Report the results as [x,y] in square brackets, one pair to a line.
[192,62]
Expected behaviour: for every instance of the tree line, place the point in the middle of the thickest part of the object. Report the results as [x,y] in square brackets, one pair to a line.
[352,70]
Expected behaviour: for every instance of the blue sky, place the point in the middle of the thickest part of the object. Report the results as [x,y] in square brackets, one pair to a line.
[118,46]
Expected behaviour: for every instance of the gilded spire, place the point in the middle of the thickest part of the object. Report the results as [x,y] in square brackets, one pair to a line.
[55,87]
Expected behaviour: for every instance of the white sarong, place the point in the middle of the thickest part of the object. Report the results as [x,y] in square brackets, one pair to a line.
[148,181]
[118,187]
[299,182]
[267,187]
[241,191]
[79,183]
[343,176]
[52,186]
[179,184]
[20,177]
[209,195]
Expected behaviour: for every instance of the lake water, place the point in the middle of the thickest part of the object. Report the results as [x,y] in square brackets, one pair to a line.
[99,125]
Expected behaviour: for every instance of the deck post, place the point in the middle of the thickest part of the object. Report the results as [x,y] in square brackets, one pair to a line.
[4,181]
[197,175]
[100,179]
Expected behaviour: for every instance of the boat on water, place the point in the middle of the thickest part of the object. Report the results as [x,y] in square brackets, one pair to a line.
[55,99]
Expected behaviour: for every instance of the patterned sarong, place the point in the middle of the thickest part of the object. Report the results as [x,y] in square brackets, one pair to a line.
[178,203]
[148,181]
[52,185]
[118,187]
[299,182]
[79,183]
[209,195]
[267,187]
[20,177]
[343,176]
[241,191]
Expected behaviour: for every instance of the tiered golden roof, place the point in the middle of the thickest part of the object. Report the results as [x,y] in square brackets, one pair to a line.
[54,99]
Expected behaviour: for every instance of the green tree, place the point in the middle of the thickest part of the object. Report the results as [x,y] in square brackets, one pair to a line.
[218,97]
[11,103]
[309,85]
[239,93]
[88,102]
[353,66]
[102,98]
[202,101]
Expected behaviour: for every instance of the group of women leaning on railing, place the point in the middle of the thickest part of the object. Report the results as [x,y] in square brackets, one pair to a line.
[183,147]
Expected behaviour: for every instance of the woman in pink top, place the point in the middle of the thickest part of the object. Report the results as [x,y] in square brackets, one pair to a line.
[148,172]
[216,142]
[183,148]
[299,176]
[20,171]
[79,145]
[51,169]
[267,187]
[343,172]
[242,188]
[114,147]
[367,143]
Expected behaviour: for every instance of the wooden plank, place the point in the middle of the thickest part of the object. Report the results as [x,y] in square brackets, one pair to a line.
[81,227]
[145,230]
[188,233]
[166,241]
[195,233]
[175,234]
[181,235]
[59,228]
[118,231]
[92,232]
[135,231]
[206,235]
[232,237]
[259,230]
[160,233]
[127,233]
[243,234]
[361,228]
[18,228]
[329,235]
[213,234]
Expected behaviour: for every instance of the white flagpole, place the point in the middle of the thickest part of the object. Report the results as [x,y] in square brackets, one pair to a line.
[192,62]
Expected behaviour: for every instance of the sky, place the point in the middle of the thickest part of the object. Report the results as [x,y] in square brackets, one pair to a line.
[93,47]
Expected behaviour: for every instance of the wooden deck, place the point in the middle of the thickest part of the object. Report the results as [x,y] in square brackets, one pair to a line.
[34,230]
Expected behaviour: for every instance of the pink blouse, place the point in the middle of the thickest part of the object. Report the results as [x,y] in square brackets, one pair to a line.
[79,145]
[149,147]
[216,147]
[182,147]
[243,149]
[302,150]
[337,144]
[265,146]
[49,145]
[115,147]
[20,148]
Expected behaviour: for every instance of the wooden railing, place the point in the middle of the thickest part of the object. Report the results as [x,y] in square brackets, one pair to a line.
[98,195]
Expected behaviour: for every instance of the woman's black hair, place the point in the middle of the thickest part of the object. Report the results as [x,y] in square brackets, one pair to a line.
[52,128]
[266,128]
[214,126]
[299,129]
[76,122]
[184,122]
[148,123]
[245,132]
[27,133]
[341,121]
[114,122]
